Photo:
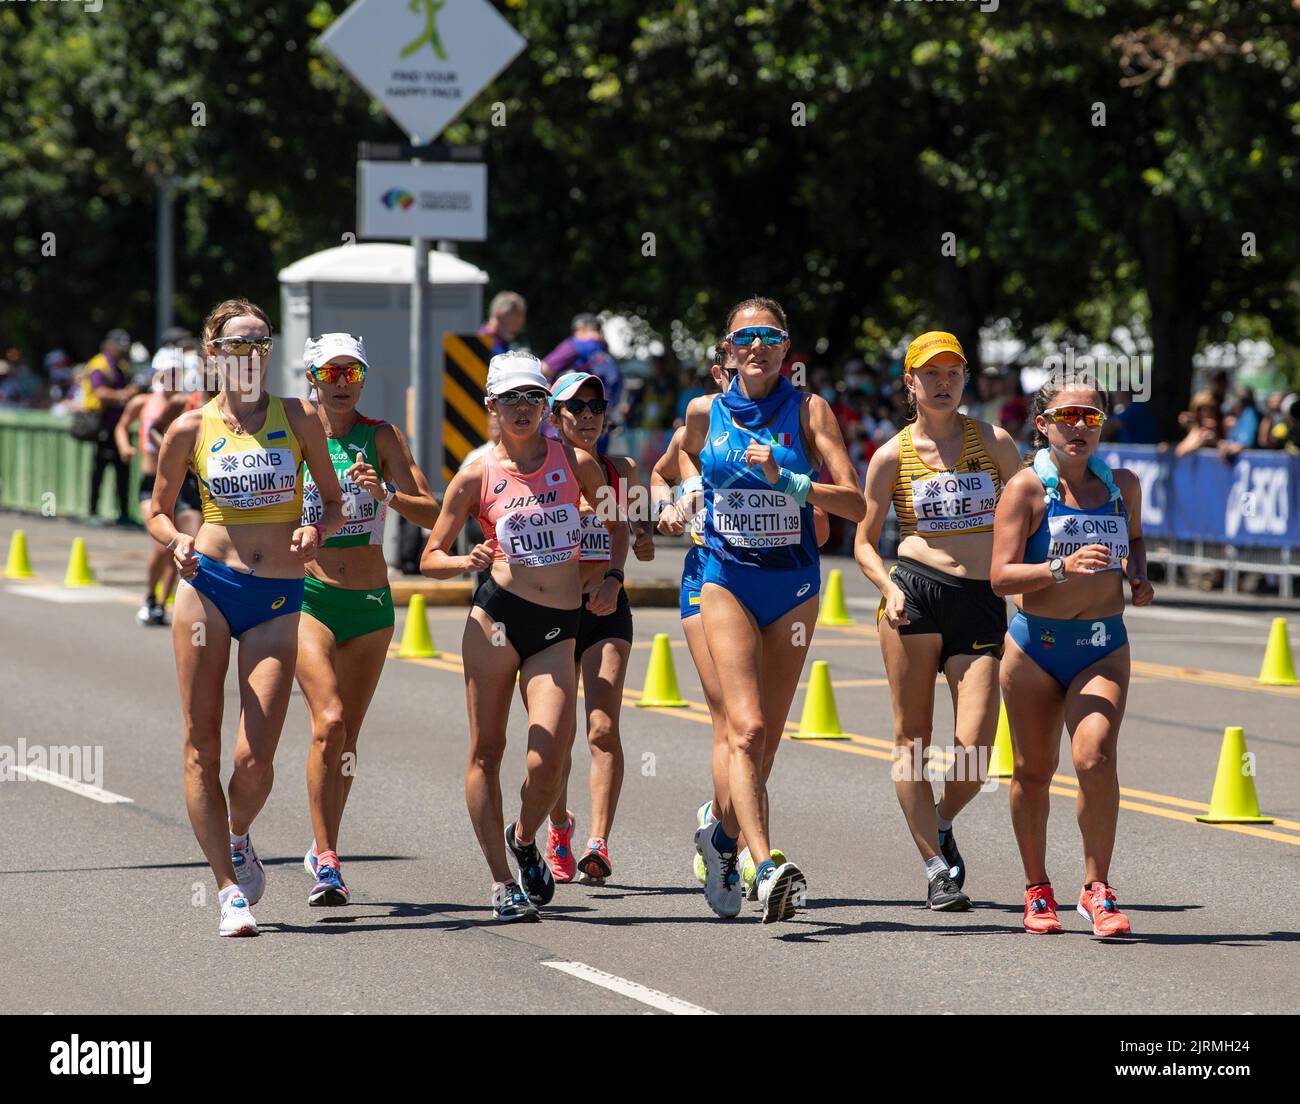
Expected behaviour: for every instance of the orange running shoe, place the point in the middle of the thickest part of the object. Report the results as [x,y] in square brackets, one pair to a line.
[1040,910]
[559,849]
[1097,903]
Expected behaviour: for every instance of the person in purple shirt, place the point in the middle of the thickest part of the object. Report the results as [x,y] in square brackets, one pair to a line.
[108,388]
[586,351]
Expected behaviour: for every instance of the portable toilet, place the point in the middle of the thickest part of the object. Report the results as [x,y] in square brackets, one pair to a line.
[365,289]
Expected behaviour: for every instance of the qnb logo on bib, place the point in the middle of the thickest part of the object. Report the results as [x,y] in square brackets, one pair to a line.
[536,538]
[953,502]
[1070,532]
[253,478]
[757,519]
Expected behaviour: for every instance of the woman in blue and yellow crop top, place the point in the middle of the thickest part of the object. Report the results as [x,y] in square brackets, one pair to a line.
[943,474]
[1068,532]
[245,574]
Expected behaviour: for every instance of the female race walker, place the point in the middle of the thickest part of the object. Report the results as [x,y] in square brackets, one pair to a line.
[602,645]
[347,605]
[757,447]
[525,617]
[944,473]
[1068,530]
[245,570]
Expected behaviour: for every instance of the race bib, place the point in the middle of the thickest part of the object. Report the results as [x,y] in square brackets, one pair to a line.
[953,502]
[595,538]
[756,518]
[364,513]
[696,528]
[252,479]
[536,538]
[1070,532]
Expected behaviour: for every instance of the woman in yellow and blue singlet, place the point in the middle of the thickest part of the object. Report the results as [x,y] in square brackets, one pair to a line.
[245,574]
[943,473]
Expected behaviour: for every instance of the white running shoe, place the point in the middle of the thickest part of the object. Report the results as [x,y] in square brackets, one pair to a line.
[144,614]
[722,879]
[781,892]
[249,872]
[237,917]
[309,859]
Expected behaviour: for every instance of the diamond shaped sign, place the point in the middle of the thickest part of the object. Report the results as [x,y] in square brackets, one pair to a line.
[423,60]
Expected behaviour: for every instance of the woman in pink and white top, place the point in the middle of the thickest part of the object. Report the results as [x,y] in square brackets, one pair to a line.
[524,619]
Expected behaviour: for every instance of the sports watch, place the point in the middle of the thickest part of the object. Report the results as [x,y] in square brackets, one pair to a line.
[390,489]
[1056,565]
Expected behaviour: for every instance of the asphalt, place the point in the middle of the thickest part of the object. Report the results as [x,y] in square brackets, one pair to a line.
[110,908]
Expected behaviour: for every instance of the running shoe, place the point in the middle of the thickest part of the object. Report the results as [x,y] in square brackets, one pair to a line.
[559,849]
[249,871]
[158,614]
[594,866]
[703,815]
[1097,903]
[781,889]
[956,864]
[944,896]
[534,875]
[748,870]
[1040,911]
[330,889]
[722,879]
[509,902]
[237,917]
[309,860]
[145,613]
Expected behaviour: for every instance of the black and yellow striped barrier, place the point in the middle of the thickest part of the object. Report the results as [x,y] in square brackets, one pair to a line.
[464,418]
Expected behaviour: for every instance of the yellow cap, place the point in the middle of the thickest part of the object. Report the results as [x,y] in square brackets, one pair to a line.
[928,346]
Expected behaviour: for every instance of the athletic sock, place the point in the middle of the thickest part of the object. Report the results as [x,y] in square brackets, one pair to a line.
[559,825]
[239,843]
[226,894]
[935,866]
[765,870]
[327,858]
[945,825]
[722,841]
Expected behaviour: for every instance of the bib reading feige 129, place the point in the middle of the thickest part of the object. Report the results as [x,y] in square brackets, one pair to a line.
[756,518]
[953,502]
[1070,532]
[538,537]
[251,478]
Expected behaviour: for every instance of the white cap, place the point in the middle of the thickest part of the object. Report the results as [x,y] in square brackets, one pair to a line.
[321,350]
[507,371]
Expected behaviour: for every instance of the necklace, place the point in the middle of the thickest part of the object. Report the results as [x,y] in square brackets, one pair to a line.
[234,424]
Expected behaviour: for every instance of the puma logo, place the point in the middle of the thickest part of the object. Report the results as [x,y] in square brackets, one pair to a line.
[375,598]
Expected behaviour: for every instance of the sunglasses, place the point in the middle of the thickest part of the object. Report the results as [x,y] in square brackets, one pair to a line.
[332,373]
[1089,416]
[577,406]
[244,346]
[768,335]
[514,398]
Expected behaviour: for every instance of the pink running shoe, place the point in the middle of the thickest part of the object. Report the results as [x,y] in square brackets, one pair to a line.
[559,849]
[594,866]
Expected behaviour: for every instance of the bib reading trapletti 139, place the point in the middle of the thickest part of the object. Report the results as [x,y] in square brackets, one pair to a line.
[250,478]
[953,502]
[1070,532]
[756,519]
[537,538]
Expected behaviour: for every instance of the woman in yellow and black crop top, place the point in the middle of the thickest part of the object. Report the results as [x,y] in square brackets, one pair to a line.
[245,570]
[943,474]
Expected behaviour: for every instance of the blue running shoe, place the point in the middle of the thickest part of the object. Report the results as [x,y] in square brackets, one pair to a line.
[329,889]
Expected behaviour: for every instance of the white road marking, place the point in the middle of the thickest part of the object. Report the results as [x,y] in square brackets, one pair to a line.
[73,595]
[85,789]
[631,989]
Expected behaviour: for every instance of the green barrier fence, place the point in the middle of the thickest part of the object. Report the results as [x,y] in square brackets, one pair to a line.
[43,470]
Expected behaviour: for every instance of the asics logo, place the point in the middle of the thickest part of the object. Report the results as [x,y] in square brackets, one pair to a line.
[553,633]
[803,590]
[218,446]
[501,486]
[719,441]
[277,603]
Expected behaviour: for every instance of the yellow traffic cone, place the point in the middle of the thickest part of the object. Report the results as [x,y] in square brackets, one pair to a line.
[19,566]
[661,677]
[1278,668]
[1002,761]
[820,719]
[1234,800]
[79,573]
[834,611]
[417,641]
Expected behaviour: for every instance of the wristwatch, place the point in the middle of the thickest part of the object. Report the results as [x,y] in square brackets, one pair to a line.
[391,489]
[1056,566]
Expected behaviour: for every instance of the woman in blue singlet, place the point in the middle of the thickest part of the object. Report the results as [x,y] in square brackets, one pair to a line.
[757,447]
[1067,531]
